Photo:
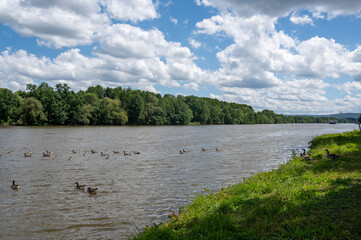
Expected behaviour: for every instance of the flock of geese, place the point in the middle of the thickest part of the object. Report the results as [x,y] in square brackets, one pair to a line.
[91,190]
[47,154]
[203,150]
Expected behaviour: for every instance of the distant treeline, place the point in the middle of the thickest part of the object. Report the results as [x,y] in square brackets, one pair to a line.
[44,105]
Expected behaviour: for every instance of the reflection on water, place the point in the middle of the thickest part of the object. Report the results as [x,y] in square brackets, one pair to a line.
[132,190]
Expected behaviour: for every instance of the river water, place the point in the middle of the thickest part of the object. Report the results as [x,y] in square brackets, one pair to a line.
[133,190]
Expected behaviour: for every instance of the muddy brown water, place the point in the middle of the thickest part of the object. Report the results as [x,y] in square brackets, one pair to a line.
[133,190]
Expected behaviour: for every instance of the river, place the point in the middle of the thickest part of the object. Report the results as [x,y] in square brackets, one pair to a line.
[133,190]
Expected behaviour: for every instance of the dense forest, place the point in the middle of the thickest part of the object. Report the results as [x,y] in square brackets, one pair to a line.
[44,105]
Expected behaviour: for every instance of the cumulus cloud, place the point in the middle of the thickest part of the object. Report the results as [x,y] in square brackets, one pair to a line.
[260,54]
[279,8]
[305,19]
[191,86]
[348,87]
[126,56]
[67,23]
[195,44]
[135,10]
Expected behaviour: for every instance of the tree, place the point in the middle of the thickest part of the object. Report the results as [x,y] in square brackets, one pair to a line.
[7,102]
[135,108]
[359,122]
[97,90]
[32,112]
[85,114]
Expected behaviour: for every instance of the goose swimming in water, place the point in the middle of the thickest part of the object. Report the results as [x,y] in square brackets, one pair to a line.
[136,152]
[126,153]
[92,190]
[27,154]
[46,154]
[81,187]
[14,186]
[218,149]
[203,149]
[331,155]
[11,152]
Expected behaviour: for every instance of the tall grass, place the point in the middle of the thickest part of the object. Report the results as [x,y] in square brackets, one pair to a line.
[317,199]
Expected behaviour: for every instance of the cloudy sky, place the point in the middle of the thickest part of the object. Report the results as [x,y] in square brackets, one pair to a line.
[289,56]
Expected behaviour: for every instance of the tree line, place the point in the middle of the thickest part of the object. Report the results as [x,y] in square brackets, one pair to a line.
[44,105]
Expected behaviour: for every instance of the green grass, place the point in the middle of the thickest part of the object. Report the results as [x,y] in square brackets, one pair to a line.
[318,199]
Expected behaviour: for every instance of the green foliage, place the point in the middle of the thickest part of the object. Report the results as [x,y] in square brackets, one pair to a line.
[319,199]
[118,106]
[32,112]
[7,102]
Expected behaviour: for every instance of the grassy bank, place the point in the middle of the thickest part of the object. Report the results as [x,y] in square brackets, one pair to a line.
[317,199]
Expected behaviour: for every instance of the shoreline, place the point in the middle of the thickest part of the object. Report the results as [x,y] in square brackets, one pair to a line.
[302,199]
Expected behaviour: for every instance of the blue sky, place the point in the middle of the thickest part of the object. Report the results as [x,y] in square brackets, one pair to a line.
[289,56]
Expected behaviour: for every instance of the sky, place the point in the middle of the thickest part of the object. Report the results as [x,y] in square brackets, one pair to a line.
[288,56]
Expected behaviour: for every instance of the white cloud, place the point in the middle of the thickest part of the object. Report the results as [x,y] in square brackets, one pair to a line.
[267,69]
[191,86]
[70,23]
[127,56]
[348,87]
[305,19]
[195,44]
[135,10]
[278,8]
[173,20]
[260,54]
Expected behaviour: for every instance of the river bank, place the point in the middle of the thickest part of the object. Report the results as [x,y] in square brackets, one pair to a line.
[302,199]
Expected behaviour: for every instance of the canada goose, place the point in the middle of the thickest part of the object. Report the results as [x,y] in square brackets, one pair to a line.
[70,158]
[49,152]
[84,154]
[136,152]
[218,149]
[181,152]
[331,155]
[14,186]
[54,158]
[27,154]
[46,154]
[74,152]
[126,153]
[11,152]
[107,157]
[203,149]
[92,190]
[103,154]
[79,186]
[93,151]
[307,157]
[116,152]
[185,151]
